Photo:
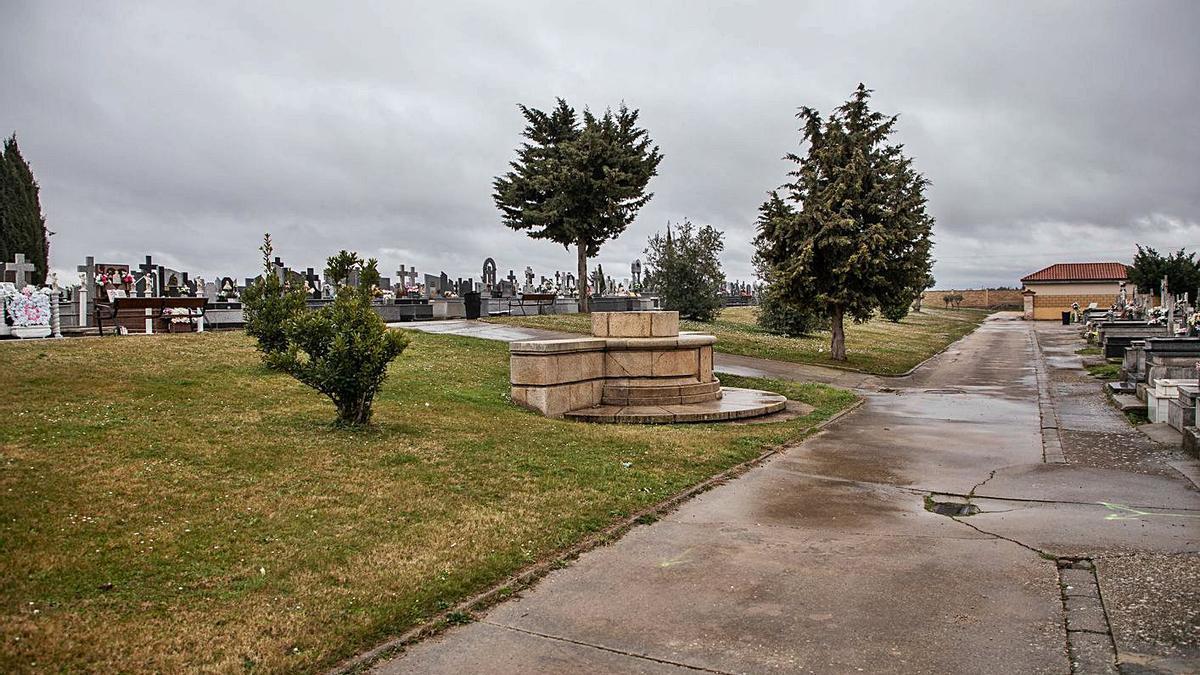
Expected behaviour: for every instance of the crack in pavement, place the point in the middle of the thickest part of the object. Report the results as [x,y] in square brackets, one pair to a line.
[611,650]
[981,484]
[950,493]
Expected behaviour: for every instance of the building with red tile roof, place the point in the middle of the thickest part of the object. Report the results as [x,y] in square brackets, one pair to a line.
[1051,291]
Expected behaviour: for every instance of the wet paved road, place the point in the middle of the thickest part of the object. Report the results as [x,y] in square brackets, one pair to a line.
[824,559]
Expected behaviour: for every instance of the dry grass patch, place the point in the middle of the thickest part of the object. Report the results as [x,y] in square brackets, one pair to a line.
[879,346]
[170,505]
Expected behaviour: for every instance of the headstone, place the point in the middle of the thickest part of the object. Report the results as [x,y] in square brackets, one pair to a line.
[433,286]
[636,271]
[87,276]
[22,271]
[147,285]
[489,274]
[312,282]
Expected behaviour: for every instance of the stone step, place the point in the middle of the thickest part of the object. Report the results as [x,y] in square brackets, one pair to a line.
[651,393]
[1129,403]
[734,404]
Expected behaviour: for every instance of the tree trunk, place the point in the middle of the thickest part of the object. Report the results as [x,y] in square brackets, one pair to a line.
[837,346]
[583,276]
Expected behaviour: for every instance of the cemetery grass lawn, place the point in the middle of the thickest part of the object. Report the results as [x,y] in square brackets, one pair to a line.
[879,347]
[169,505]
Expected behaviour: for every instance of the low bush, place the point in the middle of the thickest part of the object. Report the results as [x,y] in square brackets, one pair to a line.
[343,349]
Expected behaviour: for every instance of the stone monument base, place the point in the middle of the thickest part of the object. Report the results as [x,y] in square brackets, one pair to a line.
[637,368]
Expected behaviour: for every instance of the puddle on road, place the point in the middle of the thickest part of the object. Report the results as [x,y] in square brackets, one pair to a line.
[952,509]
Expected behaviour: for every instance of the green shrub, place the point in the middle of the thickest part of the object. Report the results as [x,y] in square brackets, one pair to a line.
[343,349]
[268,306]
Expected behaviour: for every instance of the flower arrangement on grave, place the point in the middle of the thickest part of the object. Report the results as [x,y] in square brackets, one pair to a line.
[29,307]
[127,279]
[178,314]
[1156,315]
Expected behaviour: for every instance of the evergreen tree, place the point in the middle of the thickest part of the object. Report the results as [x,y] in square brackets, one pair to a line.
[858,238]
[1180,269]
[775,314]
[577,183]
[684,269]
[8,224]
[22,225]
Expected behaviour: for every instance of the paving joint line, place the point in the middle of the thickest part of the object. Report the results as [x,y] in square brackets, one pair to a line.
[1079,602]
[1052,452]
[612,650]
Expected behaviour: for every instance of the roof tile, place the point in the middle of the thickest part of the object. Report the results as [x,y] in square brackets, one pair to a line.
[1096,271]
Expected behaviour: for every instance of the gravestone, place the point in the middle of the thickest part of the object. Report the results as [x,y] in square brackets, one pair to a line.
[87,277]
[147,283]
[21,271]
[432,286]
[489,274]
[229,288]
[312,282]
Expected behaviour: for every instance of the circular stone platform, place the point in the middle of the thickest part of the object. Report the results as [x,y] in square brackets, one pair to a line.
[734,404]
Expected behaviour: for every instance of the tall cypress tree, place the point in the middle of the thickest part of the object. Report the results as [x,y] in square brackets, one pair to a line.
[24,226]
[8,234]
[858,238]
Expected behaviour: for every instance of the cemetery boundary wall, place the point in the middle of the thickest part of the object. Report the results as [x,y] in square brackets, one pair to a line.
[985,298]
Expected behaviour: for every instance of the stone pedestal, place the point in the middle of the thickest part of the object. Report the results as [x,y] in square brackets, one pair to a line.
[636,367]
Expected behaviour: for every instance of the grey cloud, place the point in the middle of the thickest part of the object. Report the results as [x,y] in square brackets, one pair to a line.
[1050,131]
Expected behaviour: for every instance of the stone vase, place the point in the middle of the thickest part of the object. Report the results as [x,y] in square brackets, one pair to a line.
[31,331]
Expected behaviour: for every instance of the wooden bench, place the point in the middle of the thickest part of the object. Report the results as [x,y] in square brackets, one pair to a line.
[539,300]
[153,310]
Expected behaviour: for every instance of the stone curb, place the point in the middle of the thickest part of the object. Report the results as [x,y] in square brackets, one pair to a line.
[528,577]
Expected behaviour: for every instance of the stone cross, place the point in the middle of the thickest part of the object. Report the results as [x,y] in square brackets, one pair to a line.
[148,269]
[87,276]
[23,270]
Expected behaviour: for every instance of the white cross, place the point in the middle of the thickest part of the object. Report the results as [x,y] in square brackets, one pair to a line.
[23,270]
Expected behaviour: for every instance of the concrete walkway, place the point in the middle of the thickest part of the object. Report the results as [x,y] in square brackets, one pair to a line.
[747,366]
[825,558]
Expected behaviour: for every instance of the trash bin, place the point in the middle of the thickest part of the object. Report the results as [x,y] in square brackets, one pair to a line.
[472,301]
[1066,317]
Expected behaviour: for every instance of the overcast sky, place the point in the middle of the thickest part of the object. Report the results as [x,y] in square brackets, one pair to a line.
[1050,132]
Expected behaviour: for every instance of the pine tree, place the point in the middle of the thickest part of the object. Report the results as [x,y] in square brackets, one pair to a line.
[577,183]
[22,226]
[856,237]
